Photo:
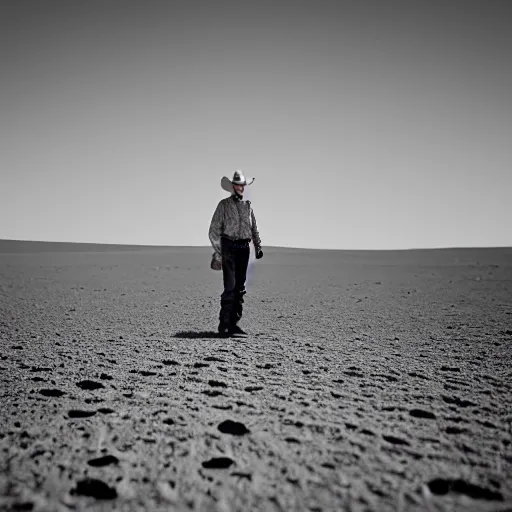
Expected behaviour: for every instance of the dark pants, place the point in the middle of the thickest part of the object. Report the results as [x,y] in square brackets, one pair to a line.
[235,259]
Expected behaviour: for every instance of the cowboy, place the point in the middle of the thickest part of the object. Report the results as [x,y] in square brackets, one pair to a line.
[233,227]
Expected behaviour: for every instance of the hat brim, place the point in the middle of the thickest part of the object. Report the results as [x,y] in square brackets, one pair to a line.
[227,184]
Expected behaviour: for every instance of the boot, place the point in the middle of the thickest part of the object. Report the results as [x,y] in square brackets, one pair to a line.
[225,320]
[234,328]
[224,330]
[237,330]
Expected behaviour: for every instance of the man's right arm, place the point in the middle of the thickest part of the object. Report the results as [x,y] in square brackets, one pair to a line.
[215,231]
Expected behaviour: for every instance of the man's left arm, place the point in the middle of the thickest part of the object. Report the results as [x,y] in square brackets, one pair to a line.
[256,240]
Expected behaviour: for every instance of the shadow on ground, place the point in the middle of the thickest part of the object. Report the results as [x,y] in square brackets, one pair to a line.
[196,334]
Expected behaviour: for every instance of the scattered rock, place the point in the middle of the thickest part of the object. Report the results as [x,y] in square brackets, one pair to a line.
[450,369]
[233,427]
[52,392]
[396,440]
[89,385]
[217,384]
[240,474]
[418,375]
[214,359]
[488,424]
[455,430]
[250,389]
[105,410]
[352,373]
[420,413]
[265,366]
[78,413]
[456,419]
[94,488]
[106,460]
[212,392]
[218,463]
[442,486]
[458,401]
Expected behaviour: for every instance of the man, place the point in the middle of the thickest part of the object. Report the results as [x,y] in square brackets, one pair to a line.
[232,228]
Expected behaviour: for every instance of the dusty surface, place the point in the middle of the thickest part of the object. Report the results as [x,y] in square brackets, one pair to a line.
[370,381]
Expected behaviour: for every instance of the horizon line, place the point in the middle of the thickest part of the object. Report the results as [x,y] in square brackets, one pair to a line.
[155,246]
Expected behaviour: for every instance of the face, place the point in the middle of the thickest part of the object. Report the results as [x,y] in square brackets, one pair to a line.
[239,189]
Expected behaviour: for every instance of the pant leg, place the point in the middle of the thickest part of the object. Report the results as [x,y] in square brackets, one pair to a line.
[241,263]
[227,298]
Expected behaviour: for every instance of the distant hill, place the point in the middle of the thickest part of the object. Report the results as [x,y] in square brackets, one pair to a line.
[27,246]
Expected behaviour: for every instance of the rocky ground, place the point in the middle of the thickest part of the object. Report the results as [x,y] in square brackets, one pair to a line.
[370,381]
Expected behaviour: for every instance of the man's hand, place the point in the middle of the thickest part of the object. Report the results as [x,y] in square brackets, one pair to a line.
[259,253]
[216,263]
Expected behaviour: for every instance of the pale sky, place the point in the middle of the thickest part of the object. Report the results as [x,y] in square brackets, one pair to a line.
[367,125]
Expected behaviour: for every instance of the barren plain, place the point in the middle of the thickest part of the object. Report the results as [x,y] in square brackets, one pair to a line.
[370,381]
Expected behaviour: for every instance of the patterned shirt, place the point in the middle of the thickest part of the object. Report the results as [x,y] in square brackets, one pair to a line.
[233,218]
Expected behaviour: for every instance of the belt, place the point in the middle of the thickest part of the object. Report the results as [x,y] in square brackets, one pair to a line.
[237,243]
[236,240]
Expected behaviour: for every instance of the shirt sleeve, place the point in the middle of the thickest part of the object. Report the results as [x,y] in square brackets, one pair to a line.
[216,227]
[256,240]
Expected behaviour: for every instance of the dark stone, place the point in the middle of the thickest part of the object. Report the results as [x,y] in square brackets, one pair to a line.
[94,488]
[217,383]
[395,440]
[233,427]
[89,385]
[442,486]
[218,463]
[103,461]
[250,389]
[212,392]
[458,401]
[419,413]
[77,413]
[52,392]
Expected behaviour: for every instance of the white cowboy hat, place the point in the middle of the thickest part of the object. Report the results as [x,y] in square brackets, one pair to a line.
[238,179]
